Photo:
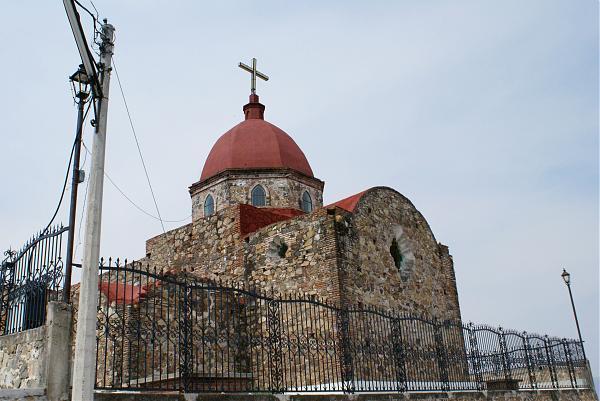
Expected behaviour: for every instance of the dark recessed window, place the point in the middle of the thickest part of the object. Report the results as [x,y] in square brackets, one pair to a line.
[259,197]
[396,254]
[306,202]
[282,249]
[209,206]
[278,248]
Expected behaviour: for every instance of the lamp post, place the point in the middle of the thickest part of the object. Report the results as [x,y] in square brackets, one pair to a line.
[81,83]
[567,279]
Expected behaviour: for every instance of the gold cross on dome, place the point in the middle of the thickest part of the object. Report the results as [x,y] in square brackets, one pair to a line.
[252,70]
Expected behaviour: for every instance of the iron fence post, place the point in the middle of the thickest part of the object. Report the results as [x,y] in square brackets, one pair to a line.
[275,351]
[569,361]
[528,360]
[441,354]
[347,367]
[8,278]
[185,347]
[399,357]
[475,356]
[550,359]
[505,356]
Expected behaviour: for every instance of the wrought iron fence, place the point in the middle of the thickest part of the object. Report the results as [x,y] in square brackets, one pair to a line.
[29,279]
[168,332]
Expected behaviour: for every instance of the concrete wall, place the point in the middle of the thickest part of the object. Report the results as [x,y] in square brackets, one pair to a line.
[561,395]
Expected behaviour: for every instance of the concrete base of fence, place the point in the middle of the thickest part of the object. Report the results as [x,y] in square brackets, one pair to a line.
[24,394]
[540,395]
[58,351]
[502,385]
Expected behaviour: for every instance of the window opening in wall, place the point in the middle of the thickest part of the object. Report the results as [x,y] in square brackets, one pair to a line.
[396,254]
[282,250]
[209,206]
[259,197]
[306,202]
[278,248]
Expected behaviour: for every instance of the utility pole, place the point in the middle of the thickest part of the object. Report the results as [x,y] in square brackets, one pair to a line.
[84,368]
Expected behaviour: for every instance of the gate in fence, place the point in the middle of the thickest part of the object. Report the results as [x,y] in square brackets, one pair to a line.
[29,279]
[168,332]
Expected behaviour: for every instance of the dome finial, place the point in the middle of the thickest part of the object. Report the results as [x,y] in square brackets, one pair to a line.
[254,110]
[255,73]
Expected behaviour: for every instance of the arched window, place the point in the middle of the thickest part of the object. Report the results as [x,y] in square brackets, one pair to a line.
[259,197]
[209,206]
[306,202]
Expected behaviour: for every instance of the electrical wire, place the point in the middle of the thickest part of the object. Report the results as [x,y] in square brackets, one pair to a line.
[114,184]
[87,185]
[138,146]
[64,189]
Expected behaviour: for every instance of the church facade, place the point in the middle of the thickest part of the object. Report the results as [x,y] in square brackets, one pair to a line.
[258,221]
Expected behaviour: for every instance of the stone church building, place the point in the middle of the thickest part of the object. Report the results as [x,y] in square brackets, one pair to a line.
[258,220]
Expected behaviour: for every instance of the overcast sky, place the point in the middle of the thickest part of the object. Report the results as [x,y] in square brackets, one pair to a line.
[483,113]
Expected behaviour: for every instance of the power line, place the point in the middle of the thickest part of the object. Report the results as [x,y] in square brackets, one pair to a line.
[87,185]
[138,146]
[132,202]
[64,188]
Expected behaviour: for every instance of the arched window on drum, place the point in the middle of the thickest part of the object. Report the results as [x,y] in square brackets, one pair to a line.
[306,203]
[209,206]
[259,196]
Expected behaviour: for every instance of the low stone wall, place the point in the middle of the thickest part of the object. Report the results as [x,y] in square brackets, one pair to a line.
[21,361]
[38,359]
[550,395]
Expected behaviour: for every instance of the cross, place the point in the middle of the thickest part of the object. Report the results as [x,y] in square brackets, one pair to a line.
[252,70]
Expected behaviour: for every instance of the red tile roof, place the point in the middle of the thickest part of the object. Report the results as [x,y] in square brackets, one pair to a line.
[122,293]
[349,203]
[254,218]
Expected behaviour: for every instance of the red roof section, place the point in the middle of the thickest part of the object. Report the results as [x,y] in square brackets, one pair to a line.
[254,218]
[122,293]
[349,203]
[255,144]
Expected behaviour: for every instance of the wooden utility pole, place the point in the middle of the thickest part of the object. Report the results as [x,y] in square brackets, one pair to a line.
[84,368]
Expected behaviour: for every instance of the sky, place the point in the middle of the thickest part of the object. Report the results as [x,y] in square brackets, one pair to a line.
[483,113]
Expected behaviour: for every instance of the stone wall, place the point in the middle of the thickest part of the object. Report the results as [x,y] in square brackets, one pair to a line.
[22,364]
[39,358]
[295,256]
[422,284]
[327,253]
[213,249]
[283,189]
[210,247]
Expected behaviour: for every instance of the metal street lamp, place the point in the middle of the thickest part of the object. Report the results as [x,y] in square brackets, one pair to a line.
[81,87]
[567,279]
[80,82]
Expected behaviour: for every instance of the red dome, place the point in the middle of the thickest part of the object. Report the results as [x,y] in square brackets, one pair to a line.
[255,144]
